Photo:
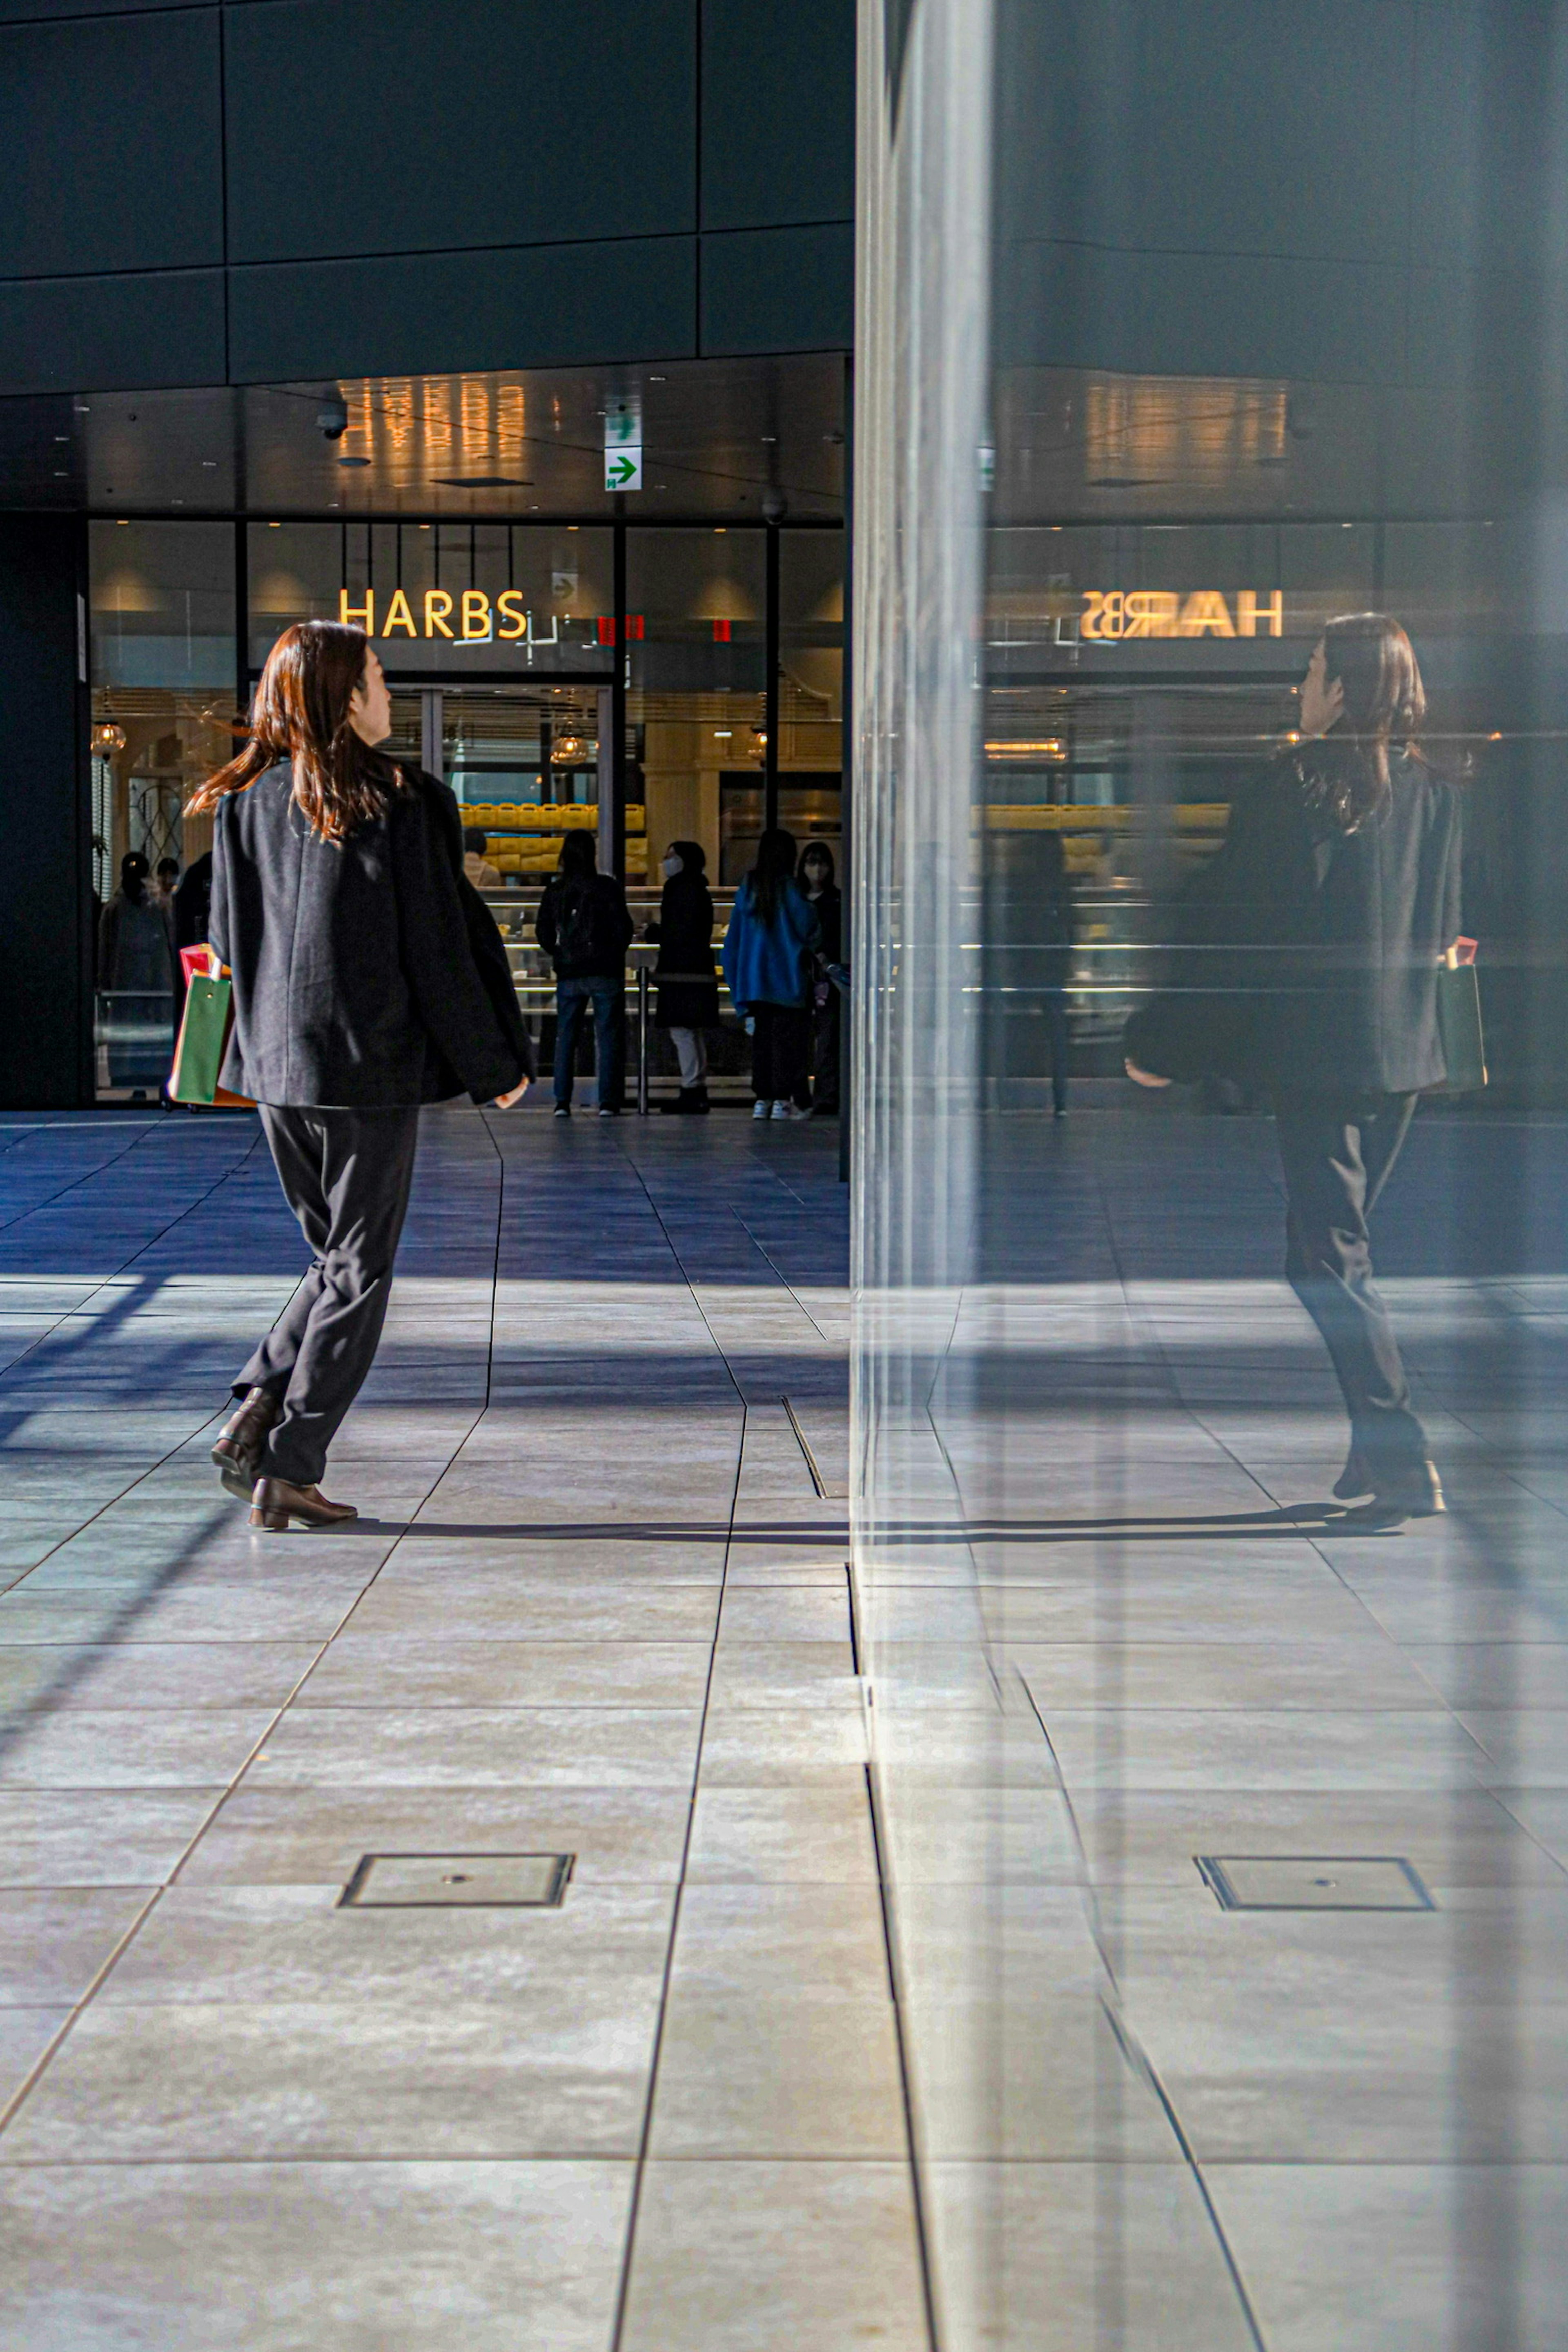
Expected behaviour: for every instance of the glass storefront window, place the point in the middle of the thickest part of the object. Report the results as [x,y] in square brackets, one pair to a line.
[449,600]
[696,605]
[162,630]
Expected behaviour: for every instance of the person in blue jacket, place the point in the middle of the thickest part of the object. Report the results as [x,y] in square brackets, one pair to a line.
[769,967]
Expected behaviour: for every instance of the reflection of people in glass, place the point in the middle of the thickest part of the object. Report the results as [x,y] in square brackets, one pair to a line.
[816,879]
[686,1003]
[1056,934]
[134,950]
[1333,901]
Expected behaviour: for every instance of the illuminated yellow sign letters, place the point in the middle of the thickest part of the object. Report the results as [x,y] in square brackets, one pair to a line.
[1115,613]
[478,622]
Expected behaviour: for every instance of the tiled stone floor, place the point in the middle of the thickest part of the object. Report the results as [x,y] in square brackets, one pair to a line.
[595,1605]
[1112,1626]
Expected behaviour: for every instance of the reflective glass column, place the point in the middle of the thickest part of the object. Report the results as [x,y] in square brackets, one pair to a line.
[1210,667]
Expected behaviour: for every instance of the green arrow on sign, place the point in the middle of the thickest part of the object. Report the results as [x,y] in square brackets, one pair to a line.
[619,471]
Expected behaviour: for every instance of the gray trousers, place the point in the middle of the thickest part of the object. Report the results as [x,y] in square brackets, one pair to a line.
[345,1174]
[1336,1156]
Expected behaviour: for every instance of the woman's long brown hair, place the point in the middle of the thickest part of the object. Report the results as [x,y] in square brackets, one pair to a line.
[301,714]
[1345,772]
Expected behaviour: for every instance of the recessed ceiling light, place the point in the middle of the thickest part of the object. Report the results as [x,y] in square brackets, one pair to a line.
[209,465]
[470,481]
[353,461]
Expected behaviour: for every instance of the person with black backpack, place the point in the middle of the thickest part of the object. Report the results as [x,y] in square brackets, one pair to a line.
[584,927]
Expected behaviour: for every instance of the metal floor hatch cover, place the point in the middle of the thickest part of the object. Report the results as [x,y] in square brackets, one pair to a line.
[451,1880]
[1312,1881]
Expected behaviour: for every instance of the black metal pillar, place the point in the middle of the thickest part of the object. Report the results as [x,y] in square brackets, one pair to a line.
[241,619]
[771,685]
[613,708]
[48,941]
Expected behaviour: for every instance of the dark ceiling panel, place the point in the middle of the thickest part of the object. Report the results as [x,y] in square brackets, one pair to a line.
[778,112]
[72,334]
[413,313]
[491,126]
[779,289]
[119,168]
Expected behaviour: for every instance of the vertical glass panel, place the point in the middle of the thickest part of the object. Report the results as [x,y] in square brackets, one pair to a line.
[811,686]
[696,638]
[1211,639]
[163,603]
[161,664]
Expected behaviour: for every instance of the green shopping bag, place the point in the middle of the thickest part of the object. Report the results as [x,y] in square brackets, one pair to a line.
[202,1042]
[1459,1021]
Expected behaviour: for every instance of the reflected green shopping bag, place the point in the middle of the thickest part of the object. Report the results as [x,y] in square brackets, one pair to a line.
[202,1042]
[1459,1020]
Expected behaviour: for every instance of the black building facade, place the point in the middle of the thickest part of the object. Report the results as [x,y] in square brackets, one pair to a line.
[307,301]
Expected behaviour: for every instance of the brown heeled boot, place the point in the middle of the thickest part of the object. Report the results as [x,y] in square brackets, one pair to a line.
[238,1451]
[275,1502]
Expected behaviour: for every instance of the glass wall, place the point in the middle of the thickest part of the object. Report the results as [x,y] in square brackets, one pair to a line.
[502,642]
[163,668]
[440,599]
[1214,1762]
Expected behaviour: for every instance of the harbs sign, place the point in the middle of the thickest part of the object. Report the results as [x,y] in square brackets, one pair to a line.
[1113,613]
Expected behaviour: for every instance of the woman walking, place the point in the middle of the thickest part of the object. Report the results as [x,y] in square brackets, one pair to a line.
[769,965]
[369,978]
[1333,902]
[687,999]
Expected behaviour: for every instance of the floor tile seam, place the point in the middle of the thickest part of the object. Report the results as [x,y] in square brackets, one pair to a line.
[89,1176]
[12,2105]
[634,2208]
[1138,2058]
[15,2103]
[829,1343]
[20,2164]
[359,2158]
[1314,1539]
[191,1436]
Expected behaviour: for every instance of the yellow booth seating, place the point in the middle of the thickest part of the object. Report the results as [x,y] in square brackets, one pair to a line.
[523,837]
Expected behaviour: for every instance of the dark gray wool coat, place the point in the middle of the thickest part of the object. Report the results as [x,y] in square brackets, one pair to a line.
[366,972]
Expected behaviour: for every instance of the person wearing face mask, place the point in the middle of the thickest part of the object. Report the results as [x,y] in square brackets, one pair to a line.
[687,999]
[816,879]
[1315,938]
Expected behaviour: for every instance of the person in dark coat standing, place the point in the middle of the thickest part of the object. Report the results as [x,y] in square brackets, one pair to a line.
[584,927]
[687,1002]
[135,950]
[768,956]
[816,876]
[1054,917]
[1320,930]
[369,978]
